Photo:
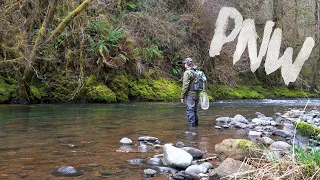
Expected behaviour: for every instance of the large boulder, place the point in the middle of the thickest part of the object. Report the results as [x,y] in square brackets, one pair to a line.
[237,149]
[228,167]
[175,157]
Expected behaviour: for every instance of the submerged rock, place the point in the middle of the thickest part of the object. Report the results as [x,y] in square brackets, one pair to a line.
[135,161]
[66,171]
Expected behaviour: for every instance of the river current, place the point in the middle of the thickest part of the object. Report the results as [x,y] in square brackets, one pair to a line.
[35,140]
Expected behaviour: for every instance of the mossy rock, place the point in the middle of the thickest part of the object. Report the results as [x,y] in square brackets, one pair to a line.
[155,90]
[120,86]
[241,92]
[101,93]
[306,129]
[165,90]
[7,91]
[246,145]
[237,149]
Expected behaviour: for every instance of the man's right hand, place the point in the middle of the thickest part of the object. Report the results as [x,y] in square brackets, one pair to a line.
[182,100]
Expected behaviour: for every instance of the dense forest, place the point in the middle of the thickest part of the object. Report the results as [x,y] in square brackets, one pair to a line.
[121,50]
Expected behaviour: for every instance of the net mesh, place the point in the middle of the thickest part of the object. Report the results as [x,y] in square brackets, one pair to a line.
[204,101]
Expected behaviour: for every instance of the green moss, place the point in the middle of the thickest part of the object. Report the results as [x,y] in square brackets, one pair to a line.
[241,92]
[101,93]
[255,92]
[165,90]
[246,145]
[284,92]
[7,91]
[154,90]
[119,85]
[37,93]
[306,129]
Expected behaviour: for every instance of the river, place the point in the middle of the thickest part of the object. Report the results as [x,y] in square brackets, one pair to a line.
[35,140]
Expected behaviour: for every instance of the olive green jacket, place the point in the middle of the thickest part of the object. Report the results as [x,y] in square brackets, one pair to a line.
[188,80]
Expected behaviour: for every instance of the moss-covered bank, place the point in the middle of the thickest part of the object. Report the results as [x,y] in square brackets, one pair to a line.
[256,92]
[127,88]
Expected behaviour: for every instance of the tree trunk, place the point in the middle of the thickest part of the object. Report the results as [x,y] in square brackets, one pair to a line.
[296,13]
[316,62]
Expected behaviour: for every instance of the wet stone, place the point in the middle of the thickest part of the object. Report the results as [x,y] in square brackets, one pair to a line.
[92,165]
[144,148]
[23,175]
[135,161]
[180,144]
[106,173]
[147,138]
[154,161]
[29,168]
[66,171]
[190,133]
[125,140]
[150,172]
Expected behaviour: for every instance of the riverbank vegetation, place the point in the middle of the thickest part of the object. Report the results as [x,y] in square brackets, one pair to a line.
[131,50]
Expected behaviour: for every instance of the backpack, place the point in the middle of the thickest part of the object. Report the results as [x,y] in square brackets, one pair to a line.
[199,80]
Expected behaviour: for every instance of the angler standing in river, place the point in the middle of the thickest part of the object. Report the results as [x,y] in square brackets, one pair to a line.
[188,94]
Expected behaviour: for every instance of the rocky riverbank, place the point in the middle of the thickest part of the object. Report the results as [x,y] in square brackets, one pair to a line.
[269,139]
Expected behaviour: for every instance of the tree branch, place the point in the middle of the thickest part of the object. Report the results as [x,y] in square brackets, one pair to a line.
[62,26]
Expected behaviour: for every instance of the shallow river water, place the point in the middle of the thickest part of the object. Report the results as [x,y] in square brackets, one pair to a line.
[35,140]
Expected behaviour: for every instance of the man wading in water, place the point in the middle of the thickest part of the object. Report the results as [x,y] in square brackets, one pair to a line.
[188,94]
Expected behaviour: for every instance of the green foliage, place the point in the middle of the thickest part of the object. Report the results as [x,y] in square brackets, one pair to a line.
[131,5]
[309,159]
[101,93]
[37,93]
[306,129]
[246,145]
[108,41]
[152,52]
